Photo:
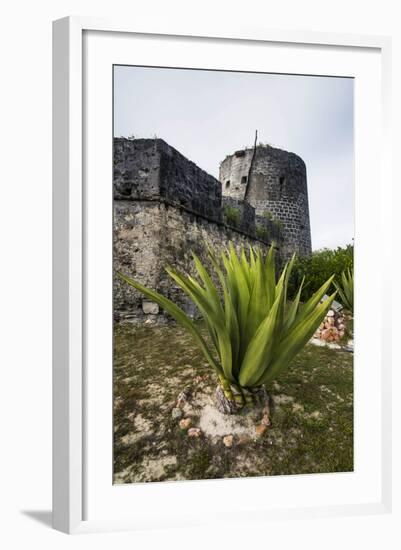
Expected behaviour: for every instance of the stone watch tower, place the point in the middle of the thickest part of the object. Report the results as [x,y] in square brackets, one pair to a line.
[273,181]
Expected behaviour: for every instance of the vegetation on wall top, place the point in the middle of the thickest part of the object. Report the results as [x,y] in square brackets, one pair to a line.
[232,216]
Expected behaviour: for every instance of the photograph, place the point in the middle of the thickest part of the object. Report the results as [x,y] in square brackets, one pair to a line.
[209,234]
[233,269]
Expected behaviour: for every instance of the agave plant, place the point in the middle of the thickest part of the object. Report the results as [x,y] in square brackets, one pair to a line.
[255,332]
[346,289]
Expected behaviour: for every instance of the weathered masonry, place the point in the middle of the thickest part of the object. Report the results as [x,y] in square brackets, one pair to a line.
[273,181]
[165,207]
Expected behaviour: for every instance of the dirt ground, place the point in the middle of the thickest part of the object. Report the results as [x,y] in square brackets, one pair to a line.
[311,428]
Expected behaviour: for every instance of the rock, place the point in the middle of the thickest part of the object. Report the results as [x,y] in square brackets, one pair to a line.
[341,326]
[330,334]
[185,423]
[266,415]
[243,439]
[194,432]
[333,345]
[200,379]
[176,413]
[349,347]
[330,313]
[260,430]
[150,307]
[266,420]
[317,342]
[330,321]
[341,334]
[336,306]
[183,398]
[297,408]
[334,334]
[326,334]
[228,440]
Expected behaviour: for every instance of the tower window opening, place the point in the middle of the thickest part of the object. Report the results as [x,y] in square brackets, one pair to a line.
[281,183]
[244,179]
[227,184]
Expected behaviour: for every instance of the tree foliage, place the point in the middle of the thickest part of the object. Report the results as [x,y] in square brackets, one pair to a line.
[318,267]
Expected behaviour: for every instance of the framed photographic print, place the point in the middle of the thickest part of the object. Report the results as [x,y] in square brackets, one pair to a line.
[218,350]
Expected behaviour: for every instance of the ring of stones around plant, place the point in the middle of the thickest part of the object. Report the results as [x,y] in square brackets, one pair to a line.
[167,425]
[197,414]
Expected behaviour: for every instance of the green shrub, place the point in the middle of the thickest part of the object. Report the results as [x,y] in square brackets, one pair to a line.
[278,224]
[262,232]
[318,267]
[232,215]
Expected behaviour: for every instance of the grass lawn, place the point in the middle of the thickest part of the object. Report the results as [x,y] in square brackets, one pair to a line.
[312,419]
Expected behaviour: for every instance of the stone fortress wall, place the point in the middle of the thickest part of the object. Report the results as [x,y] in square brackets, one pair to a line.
[165,207]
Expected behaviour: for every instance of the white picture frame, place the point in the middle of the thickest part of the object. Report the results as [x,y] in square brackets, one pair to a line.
[71,259]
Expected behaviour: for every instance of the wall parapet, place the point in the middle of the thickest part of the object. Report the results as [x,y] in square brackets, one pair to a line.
[150,170]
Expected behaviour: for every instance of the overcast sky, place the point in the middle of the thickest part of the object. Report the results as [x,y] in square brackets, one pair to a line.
[207,115]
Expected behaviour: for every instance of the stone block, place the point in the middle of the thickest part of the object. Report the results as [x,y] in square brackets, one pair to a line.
[150,307]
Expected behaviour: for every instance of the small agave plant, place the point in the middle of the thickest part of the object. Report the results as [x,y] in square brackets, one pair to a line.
[255,332]
[345,290]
